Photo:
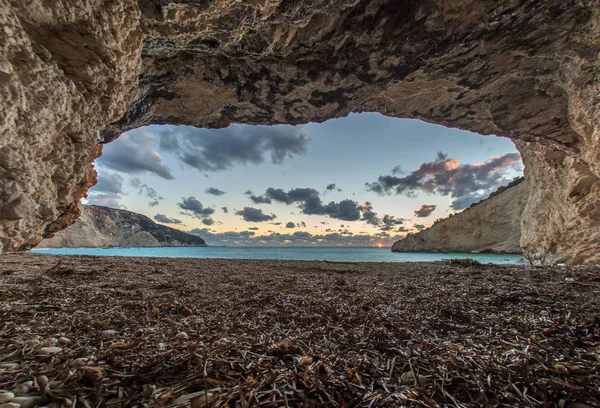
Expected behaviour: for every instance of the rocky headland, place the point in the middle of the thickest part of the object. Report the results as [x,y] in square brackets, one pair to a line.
[103,227]
[492,226]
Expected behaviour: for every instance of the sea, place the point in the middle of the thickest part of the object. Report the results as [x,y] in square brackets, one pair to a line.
[340,254]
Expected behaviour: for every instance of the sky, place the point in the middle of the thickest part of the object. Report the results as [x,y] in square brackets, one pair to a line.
[362,180]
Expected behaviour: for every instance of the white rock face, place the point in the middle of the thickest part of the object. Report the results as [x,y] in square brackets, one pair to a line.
[491,226]
[102,227]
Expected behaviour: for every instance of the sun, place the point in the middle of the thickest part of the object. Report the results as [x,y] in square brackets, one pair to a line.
[379,245]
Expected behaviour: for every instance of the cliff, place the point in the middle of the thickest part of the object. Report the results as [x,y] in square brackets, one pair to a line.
[75,72]
[100,227]
[493,225]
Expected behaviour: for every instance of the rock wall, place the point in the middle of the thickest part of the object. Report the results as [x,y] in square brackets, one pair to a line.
[526,70]
[493,226]
[102,227]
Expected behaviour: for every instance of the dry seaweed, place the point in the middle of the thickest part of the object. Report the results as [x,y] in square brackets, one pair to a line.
[115,332]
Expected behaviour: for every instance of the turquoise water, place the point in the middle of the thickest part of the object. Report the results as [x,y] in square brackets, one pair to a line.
[348,254]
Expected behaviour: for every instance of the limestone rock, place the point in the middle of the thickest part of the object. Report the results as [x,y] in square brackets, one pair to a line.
[101,227]
[524,70]
[493,225]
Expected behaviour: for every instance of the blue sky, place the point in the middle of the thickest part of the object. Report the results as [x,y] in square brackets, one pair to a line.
[379,165]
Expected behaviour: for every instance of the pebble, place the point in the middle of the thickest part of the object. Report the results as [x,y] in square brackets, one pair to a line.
[50,342]
[182,336]
[109,333]
[161,347]
[29,401]
[79,362]
[64,340]
[24,388]
[6,396]
[10,405]
[48,351]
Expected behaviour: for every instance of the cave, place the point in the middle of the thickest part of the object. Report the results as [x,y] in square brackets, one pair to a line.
[77,74]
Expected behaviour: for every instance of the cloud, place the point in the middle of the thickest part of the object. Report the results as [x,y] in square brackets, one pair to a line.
[166,220]
[225,210]
[255,215]
[104,199]
[211,150]
[208,221]
[297,238]
[310,203]
[134,152]
[332,187]
[420,227]
[260,199]
[150,192]
[253,228]
[290,225]
[214,191]
[193,207]
[425,210]
[109,183]
[446,176]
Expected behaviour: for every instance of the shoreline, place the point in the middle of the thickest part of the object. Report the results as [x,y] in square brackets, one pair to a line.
[205,332]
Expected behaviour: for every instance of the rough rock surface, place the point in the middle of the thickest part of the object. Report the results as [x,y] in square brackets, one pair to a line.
[101,227]
[521,69]
[493,225]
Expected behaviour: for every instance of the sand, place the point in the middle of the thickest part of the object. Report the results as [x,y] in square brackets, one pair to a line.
[110,331]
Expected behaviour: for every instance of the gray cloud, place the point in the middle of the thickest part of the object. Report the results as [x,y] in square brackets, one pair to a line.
[420,227]
[214,191]
[260,199]
[134,152]
[225,210]
[425,210]
[166,220]
[255,215]
[109,183]
[208,221]
[192,206]
[310,203]
[210,150]
[446,176]
[145,188]
[290,225]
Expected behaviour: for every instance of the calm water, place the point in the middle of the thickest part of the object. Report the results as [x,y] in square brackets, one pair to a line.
[306,254]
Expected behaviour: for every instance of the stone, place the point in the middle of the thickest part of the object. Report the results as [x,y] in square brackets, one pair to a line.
[79,73]
[9,405]
[48,351]
[29,401]
[109,333]
[23,388]
[6,396]
[493,225]
[181,336]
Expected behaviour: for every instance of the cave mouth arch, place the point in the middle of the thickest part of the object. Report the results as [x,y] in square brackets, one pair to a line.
[303,174]
[526,71]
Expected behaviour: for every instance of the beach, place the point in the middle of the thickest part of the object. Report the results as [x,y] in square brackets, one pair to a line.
[119,331]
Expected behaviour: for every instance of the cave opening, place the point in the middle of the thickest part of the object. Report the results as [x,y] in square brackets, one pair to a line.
[361,180]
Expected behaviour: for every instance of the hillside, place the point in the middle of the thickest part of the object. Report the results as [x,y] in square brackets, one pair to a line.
[492,225]
[100,227]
